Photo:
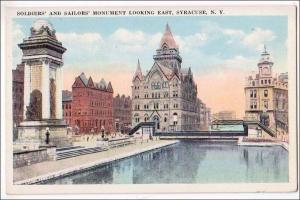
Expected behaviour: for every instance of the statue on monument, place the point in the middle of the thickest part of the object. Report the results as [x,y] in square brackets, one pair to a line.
[34,110]
[52,99]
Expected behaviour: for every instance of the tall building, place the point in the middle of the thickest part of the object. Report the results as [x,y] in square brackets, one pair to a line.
[267,97]
[91,107]
[18,94]
[122,113]
[167,93]
[67,106]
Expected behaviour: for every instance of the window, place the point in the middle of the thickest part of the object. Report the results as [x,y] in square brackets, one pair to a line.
[175,94]
[262,81]
[251,93]
[165,119]
[166,94]
[266,104]
[269,81]
[265,81]
[254,93]
[253,83]
[265,93]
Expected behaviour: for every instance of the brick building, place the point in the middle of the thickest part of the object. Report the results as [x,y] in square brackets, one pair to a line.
[18,93]
[122,113]
[90,105]
[67,106]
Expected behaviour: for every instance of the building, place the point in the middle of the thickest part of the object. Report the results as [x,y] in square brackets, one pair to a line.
[91,107]
[67,106]
[267,97]
[167,93]
[42,100]
[225,115]
[205,116]
[122,113]
[18,94]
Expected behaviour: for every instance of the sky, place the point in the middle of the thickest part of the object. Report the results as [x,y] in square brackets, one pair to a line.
[221,51]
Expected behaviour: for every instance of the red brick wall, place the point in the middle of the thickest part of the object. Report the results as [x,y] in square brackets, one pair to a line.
[91,109]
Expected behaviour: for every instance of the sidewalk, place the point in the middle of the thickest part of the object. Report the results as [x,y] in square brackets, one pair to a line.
[53,168]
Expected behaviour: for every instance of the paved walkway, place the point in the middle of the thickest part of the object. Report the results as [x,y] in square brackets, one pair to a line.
[48,167]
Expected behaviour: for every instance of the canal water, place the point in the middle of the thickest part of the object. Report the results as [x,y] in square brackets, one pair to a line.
[191,162]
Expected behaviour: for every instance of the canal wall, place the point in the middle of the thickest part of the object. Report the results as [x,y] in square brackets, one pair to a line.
[263,144]
[91,165]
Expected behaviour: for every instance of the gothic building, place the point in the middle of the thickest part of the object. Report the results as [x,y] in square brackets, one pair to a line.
[267,97]
[167,93]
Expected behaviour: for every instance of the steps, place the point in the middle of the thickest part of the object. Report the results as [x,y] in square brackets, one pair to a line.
[141,124]
[78,151]
[68,148]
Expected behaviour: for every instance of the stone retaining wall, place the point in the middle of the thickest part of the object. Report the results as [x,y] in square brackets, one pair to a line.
[28,157]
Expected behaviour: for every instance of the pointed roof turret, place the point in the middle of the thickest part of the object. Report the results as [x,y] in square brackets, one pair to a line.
[167,39]
[138,72]
[109,87]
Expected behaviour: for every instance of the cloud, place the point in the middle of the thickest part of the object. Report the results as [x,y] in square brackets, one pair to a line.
[258,37]
[128,37]
[233,32]
[76,41]
[82,48]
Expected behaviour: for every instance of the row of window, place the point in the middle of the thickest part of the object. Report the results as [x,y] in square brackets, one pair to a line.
[263,82]
[66,106]
[155,106]
[89,123]
[158,85]
[253,93]
[156,95]
[99,95]
[253,105]
[106,113]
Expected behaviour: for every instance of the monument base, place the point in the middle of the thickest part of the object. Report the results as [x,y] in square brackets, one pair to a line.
[32,134]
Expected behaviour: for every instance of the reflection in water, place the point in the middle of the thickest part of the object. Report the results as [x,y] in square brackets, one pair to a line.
[191,162]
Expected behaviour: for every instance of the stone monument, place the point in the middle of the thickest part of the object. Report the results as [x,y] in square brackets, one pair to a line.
[42,59]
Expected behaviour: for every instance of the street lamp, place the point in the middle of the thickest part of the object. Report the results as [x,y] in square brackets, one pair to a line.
[47,136]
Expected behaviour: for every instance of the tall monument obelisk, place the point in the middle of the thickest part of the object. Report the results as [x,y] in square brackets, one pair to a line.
[42,57]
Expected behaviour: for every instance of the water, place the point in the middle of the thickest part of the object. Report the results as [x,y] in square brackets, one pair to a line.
[191,162]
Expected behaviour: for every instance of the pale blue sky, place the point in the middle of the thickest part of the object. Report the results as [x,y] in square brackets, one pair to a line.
[221,51]
[205,43]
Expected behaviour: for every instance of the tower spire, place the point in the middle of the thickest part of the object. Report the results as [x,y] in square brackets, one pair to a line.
[168,39]
[138,72]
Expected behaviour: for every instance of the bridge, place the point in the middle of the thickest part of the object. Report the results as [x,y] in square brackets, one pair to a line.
[214,133]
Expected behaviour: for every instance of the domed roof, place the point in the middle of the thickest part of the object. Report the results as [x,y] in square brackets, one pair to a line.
[38,24]
[168,39]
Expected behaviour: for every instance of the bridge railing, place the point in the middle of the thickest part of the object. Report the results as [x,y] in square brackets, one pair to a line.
[202,133]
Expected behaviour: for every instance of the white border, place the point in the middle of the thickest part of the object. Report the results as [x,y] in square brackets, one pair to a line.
[135,3]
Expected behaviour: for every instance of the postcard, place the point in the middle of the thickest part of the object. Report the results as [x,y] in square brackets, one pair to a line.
[149,98]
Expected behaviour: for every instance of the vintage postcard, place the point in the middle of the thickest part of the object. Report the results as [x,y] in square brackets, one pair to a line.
[149,98]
